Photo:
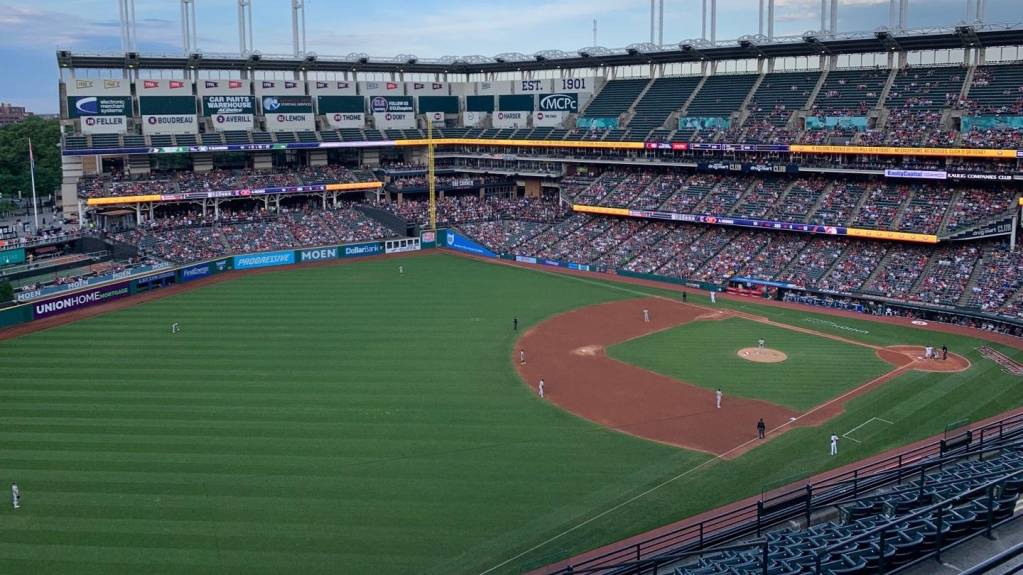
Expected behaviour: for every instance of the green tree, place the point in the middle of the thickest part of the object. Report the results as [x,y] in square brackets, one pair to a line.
[6,291]
[14,167]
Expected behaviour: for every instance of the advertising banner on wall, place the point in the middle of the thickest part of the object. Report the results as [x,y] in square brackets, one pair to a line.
[379,104]
[224,87]
[346,120]
[200,271]
[511,119]
[144,88]
[279,88]
[170,124]
[10,257]
[317,254]
[857,123]
[991,123]
[394,120]
[456,241]
[426,88]
[435,118]
[596,123]
[331,88]
[230,112]
[104,125]
[473,119]
[286,113]
[82,299]
[263,260]
[98,88]
[344,104]
[558,103]
[494,88]
[360,250]
[82,106]
[574,84]
[549,119]
[381,88]
[703,123]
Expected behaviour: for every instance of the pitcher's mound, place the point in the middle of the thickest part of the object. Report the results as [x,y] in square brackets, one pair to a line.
[762,355]
[587,350]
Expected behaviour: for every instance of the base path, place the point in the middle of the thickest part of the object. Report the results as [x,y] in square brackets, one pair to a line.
[568,352]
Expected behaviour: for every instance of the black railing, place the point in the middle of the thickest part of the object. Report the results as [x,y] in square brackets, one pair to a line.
[752,519]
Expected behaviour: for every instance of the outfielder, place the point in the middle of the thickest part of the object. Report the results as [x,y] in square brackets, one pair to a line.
[834,444]
[401,269]
[15,495]
[175,327]
[713,297]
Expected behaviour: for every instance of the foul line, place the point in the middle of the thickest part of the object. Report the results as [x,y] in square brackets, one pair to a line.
[846,434]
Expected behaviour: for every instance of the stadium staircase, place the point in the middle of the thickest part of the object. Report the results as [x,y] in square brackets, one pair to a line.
[812,100]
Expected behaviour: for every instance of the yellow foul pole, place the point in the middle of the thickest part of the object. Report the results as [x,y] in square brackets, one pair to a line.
[430,174]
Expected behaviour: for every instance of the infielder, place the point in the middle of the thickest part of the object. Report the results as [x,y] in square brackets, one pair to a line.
[540,389]
[761,428]
[834,444]
[646,315]
[713,297]
[15,496]
[717,398]
[760,343]
[522,357]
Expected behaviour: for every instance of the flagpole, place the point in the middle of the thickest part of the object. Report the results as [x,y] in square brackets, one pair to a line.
[32,171]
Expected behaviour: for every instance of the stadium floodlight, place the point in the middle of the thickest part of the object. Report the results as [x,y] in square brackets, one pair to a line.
[885,37]
[813,39]
[968,36]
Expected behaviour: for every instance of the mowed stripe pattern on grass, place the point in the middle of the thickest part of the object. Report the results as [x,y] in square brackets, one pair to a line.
[703,353]
[341,419]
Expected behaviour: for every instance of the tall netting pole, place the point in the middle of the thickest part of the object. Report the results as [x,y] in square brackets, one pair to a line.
[430,174]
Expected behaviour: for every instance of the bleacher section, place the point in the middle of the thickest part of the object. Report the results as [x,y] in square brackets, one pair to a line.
[615,98]
[666,95]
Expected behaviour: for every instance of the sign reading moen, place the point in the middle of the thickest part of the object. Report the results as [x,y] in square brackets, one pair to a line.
[286,113]
[229,112]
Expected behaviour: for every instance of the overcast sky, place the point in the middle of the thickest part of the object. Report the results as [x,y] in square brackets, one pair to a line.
[31,32]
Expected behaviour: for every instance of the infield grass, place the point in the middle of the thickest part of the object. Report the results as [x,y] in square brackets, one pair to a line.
[704,353]
[350,420]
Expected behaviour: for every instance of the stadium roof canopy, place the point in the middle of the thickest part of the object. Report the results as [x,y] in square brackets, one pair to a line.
[809,44]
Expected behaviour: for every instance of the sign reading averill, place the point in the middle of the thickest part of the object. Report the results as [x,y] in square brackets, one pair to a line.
[230,112]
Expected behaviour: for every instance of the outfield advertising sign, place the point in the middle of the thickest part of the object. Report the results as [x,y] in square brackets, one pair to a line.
[703,123]
[596,123]
[170,124]
[855,123]
[473,119]
[346,120]
[549,118]
[559,103]
[461,243]
[230,112]
[360,250]
[104,124]
[10,257]
[511,119]
[264,260]
[317,255]
[286,113]
[83,299]
[84,106]
[202,270]
[396,120]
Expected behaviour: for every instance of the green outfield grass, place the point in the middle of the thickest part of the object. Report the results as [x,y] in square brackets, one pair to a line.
[704,353]
[350,420]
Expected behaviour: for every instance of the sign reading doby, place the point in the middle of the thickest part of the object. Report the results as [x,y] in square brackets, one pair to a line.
[395,120]
[286,113]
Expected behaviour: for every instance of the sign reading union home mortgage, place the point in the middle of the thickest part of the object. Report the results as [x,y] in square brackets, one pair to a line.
[79,300]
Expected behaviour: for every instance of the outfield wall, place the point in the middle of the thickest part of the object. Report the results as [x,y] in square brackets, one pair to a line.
[147,279]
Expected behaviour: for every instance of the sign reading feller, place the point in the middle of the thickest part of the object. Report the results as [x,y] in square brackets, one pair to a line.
[285,113]
[79,300]
[104,125]
[264,260]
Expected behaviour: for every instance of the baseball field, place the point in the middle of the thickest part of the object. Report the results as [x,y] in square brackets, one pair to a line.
[351,419]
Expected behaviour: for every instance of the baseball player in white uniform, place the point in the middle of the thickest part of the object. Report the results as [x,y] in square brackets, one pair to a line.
[834,444]
[646,315]
[175,327]
[540,389]
[522,357]
[713,298]
[15,495]
[717,398]
[760,343]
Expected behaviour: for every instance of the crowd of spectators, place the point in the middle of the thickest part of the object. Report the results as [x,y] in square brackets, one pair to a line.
[192,237]
[452,210]
[119,184]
